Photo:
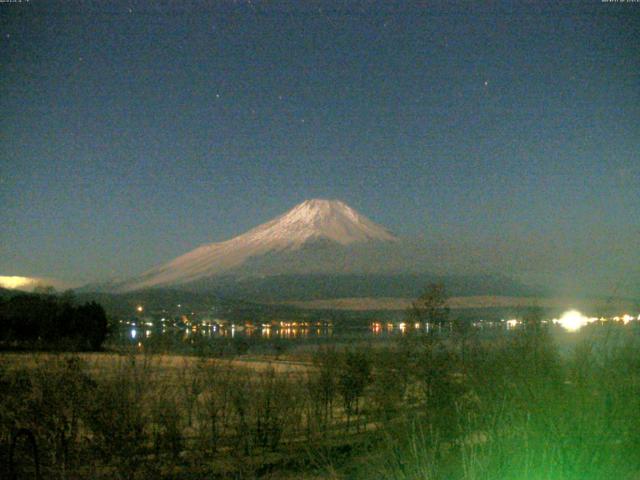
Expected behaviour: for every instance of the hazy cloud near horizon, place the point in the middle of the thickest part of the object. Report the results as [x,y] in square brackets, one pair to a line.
[575,269]
[571,268]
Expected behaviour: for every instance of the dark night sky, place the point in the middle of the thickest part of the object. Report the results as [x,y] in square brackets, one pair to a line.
[132,132]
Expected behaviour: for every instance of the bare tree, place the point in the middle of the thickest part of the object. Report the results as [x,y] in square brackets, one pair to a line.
[353,378]
[431,307]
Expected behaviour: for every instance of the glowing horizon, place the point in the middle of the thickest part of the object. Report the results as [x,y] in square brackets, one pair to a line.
[16,282]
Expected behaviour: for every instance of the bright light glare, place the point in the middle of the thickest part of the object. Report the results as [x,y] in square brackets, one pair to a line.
[15,282]
[573,320]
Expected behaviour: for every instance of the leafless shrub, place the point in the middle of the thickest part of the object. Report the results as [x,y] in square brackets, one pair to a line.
[119,415]
[214,404]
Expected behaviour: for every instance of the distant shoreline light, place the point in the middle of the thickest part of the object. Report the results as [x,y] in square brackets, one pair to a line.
[573,320]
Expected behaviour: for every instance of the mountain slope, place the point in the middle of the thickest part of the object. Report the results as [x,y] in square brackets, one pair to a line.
[328,224]
[283,287]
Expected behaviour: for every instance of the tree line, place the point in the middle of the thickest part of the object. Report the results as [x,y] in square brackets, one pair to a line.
[50,321]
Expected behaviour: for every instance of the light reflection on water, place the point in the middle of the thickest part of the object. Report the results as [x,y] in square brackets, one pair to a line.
[292,330]
[288,331]
[282,330]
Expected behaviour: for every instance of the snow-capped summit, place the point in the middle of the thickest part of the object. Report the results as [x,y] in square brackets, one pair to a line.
[320,219]
[329,221]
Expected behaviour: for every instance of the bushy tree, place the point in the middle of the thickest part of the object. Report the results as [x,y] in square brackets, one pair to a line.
[91,324]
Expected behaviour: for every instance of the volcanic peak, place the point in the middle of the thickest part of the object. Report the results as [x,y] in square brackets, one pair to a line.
[310,221]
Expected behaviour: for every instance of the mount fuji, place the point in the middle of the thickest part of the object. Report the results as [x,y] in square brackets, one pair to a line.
[316,236]
[320,249]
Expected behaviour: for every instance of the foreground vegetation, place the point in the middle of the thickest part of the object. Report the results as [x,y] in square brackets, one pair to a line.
[429,407]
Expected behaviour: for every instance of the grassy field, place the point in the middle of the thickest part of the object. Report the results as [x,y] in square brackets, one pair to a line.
[163,364]
[458,407]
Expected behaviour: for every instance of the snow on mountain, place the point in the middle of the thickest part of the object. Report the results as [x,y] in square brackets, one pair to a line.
[311,221]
